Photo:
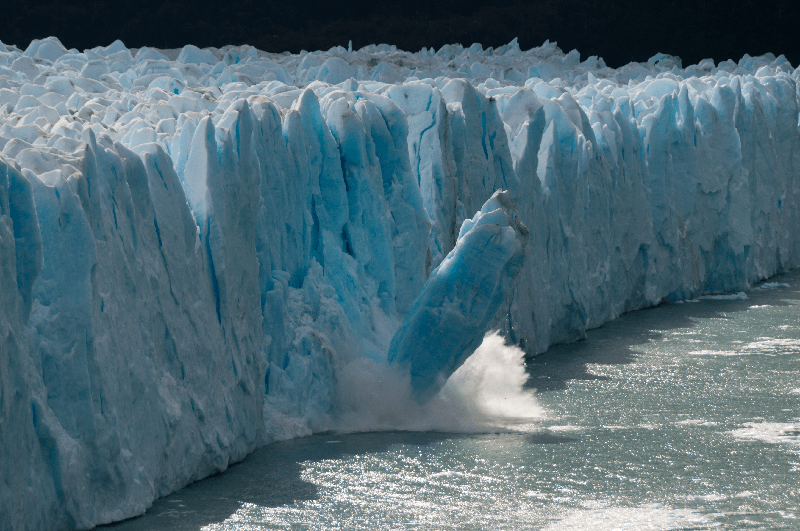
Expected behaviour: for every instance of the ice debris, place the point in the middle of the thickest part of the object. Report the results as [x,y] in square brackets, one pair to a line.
[449,318]
[193,242]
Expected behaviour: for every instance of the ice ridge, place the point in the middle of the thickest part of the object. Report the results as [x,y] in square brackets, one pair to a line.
[194,242]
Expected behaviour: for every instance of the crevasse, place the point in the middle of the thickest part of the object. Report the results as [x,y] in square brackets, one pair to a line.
[194,242]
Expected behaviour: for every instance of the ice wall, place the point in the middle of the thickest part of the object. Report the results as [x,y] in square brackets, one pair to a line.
[193,242]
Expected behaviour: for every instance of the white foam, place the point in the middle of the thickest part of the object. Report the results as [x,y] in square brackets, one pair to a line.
[615,427]
[447,474]
[485,393]
[649,517]
[771,343]
[706,497]
[566,428]
[536,494]
[715,353]
[696,422]
[491,382]
[761,345]
[770,432]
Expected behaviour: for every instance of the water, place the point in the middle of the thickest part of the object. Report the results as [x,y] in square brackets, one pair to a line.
[685,416]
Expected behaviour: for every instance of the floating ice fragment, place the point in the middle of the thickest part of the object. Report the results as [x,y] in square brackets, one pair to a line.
[774,285]
[740,296]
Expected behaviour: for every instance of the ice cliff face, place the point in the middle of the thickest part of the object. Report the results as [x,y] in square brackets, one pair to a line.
[193,242]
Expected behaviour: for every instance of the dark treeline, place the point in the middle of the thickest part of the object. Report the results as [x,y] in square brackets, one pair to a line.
[620,31]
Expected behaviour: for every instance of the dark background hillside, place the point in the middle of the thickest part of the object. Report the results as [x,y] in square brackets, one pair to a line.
[620,31]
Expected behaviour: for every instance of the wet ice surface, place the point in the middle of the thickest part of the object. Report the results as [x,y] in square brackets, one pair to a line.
[634,430]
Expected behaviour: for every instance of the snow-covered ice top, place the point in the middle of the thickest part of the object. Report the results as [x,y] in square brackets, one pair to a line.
[194,244]
[116,67]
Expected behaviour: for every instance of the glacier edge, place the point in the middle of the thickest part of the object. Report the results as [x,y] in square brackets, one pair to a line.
[189,252]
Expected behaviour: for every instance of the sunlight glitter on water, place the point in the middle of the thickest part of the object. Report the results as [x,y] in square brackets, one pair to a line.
[685,416]
[653,517]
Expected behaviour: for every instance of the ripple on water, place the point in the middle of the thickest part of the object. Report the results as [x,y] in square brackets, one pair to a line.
[649,517]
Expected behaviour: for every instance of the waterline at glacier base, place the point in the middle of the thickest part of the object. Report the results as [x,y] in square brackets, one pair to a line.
[200,248]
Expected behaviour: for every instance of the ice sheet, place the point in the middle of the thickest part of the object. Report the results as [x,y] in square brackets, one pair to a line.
[194,243]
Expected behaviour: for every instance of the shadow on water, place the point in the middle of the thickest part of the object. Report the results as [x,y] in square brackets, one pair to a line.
[272,475]
[269,477]
[614,343]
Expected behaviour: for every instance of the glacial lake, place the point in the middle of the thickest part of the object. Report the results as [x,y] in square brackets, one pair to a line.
[683,416]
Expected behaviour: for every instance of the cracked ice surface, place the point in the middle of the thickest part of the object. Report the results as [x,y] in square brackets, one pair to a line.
[194,242]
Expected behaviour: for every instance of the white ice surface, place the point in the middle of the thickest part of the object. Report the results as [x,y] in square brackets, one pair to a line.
[195,243]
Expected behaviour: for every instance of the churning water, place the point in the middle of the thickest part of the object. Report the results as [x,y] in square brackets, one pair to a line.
[684,416]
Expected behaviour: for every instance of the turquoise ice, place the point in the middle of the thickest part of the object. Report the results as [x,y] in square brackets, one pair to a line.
[451,314]
[194,243]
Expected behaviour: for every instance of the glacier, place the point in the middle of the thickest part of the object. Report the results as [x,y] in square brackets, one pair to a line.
[195,242]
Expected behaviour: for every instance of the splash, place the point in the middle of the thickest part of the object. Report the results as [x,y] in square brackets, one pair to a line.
[485,394]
